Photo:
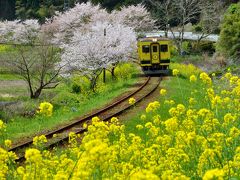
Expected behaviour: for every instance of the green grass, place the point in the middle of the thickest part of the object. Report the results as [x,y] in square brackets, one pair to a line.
[187,58]
[9,76]
[19,127]
[179,90]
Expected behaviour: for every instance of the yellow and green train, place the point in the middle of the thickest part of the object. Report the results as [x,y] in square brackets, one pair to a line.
[154,55]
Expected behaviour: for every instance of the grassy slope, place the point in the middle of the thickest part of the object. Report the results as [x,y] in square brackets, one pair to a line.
[178,89]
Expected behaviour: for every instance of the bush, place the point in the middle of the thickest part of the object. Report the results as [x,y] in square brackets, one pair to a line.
[76,88]
[229,36]
[45,108]
[187,47]
[66,99]
[204,46]
[80,83]
[125,71]
[25,109]
[186,70]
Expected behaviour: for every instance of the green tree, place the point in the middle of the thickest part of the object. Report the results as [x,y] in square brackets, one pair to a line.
[229,42]
[7,9]
[42,9]
[115,4]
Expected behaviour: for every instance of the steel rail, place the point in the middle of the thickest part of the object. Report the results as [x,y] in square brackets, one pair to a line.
[76,121]
[87,118]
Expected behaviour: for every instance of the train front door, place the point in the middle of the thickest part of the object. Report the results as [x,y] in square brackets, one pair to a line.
[155,55]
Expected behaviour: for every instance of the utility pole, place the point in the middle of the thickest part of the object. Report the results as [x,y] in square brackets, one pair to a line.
[66,5]
[104,69]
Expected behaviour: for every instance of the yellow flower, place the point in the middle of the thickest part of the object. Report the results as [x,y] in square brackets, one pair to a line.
[114,120]
[131,101]
[229,118]
[45,108]
[33,155]
[153,106]
[39,140]
[72,138]
[172,102]
[2,125]
[228,75]
[192,101]
[144,174]
[21,170]
[193,78]
[234,132]
[8,143]
[181,108]
[205,78]
[233,80]
[95,119]
[214,174]
[139,127]
[163,92]
[143,117]
[171,124]
[148,125]
[156,119]
[175,72]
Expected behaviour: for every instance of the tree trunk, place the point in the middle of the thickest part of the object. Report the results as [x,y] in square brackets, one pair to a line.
[104,75]
[113,73]
[93,84]
[36,94]
[93,80]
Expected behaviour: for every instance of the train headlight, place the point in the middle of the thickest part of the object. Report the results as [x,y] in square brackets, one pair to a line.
[154,39]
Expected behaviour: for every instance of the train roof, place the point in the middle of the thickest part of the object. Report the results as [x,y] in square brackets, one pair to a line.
[153,39]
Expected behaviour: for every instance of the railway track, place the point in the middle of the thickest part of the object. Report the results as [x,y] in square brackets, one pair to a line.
[76,126]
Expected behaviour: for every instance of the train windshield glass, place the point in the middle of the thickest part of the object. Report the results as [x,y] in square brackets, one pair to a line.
[164,48]
[145,49]
[155,49]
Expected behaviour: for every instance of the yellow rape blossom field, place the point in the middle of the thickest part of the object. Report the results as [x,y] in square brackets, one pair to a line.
[196,140]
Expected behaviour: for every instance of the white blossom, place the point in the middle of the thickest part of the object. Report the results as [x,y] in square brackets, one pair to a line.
[136,17]
[19,32]
[79,17]
[93,50]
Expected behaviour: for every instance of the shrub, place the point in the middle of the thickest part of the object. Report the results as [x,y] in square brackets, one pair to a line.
[45,108]
[66,99]
[230,29]
[186,70]
[125,71]
[76,88]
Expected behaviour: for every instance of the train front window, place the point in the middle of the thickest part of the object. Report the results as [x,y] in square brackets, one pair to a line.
[164,48]
[155,49]
[145,49]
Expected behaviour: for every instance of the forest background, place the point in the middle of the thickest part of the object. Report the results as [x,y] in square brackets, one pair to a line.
[42,9]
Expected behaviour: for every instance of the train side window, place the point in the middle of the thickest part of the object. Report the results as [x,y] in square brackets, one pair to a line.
[164,48]
[145,49]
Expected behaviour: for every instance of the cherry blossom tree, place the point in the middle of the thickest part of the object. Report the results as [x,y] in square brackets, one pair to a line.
[90,52]
[19,32]
[34,59]
[133,16]
[63,25]
[86,48]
